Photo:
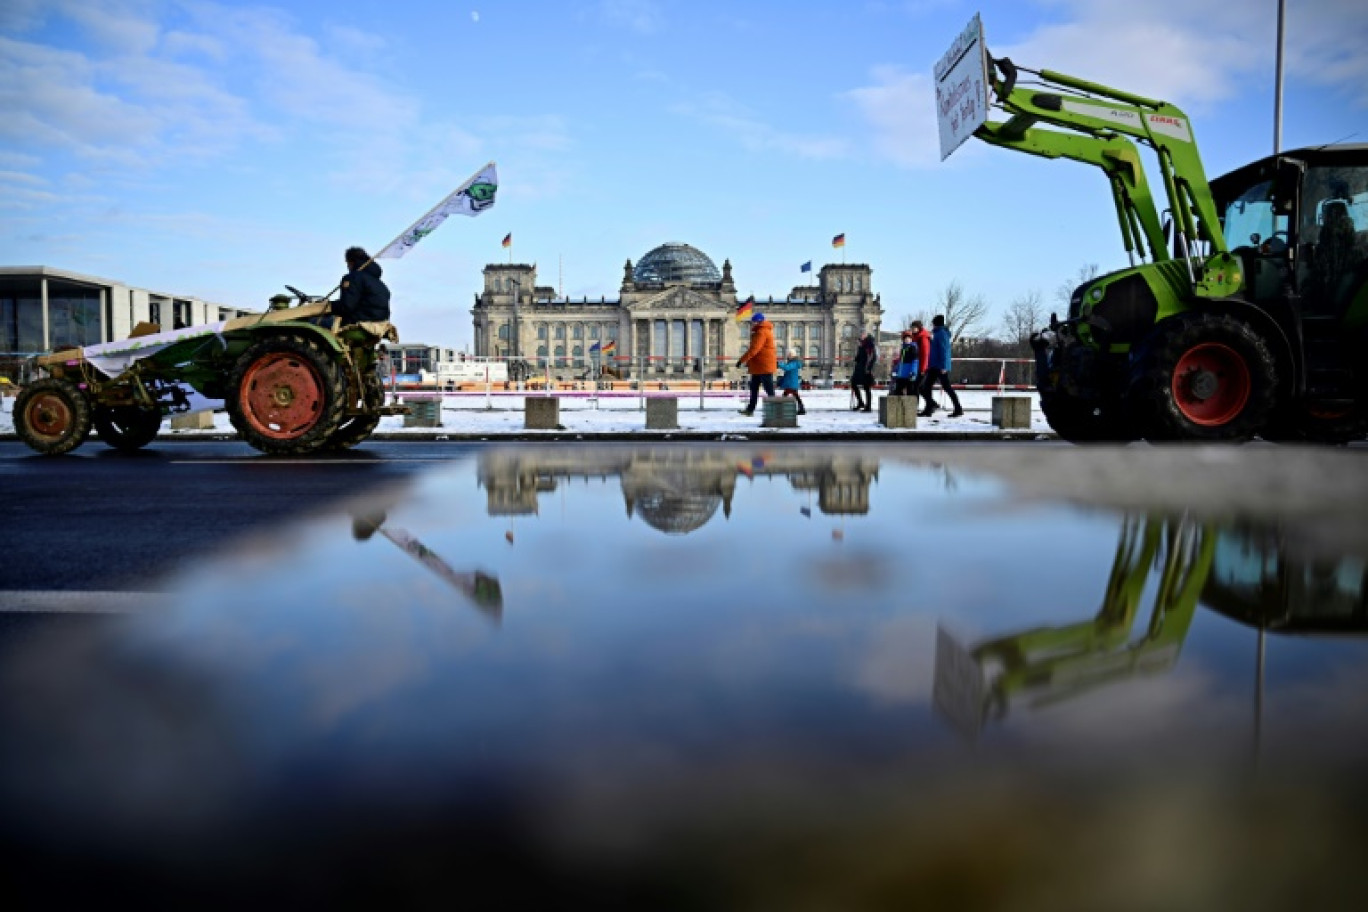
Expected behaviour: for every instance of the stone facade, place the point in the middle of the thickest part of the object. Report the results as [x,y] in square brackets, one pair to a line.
[665,328]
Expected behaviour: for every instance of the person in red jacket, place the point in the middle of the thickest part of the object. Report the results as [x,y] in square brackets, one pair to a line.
[922,339]
[761,359]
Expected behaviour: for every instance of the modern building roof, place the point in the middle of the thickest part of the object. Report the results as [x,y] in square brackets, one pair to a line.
[676,262]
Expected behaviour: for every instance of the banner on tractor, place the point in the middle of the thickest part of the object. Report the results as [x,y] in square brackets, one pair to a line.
[962,88]
[471,198]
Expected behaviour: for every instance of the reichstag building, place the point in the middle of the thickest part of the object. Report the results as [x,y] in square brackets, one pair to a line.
[675,315]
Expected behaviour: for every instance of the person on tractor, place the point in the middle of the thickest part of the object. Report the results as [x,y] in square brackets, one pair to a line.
[364,298]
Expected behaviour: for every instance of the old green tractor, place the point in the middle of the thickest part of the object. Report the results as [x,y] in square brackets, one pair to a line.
[291,380]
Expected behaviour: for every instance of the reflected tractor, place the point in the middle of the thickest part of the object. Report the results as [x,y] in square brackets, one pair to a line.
[1196,340]
[291,380]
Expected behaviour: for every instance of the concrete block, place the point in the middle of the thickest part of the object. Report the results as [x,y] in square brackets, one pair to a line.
[779,412]
[898,411]
[542,413]
[423,413]
[194,421]
[1012,412]
[662,414]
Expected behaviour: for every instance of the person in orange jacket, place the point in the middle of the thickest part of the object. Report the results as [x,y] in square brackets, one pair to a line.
[761,359]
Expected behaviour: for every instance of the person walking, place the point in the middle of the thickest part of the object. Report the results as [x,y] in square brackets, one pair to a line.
[862,375]
[938,369]
[792,381]
[907,369]
[760,359]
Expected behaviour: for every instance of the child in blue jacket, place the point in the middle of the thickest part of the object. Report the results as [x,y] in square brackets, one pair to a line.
[792,380]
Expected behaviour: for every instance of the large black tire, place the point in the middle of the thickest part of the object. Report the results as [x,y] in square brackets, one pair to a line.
[286,396]
[52,416]
[126,427]
[1085,421]
[1205,377]
[357,429]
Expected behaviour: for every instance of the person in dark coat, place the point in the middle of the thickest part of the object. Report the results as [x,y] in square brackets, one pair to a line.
[938,369]
[364,298]
[862,377]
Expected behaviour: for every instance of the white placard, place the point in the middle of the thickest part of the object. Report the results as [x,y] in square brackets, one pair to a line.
[962,88]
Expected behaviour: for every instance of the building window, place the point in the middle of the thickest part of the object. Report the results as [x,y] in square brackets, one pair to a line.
[504,330]
[612,330]
[696,338]
[541,332]
[73,315]
[815,352]
[577,332]
[560,356]
[658,342]
[780,332]
[541,355]
[154,312]
[578,353]
[815,332]
[560,333]
[847,332]
[676,339]
[593,331]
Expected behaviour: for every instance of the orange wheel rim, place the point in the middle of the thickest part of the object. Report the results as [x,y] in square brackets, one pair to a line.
[49,416]
[1211,384]
[281,396]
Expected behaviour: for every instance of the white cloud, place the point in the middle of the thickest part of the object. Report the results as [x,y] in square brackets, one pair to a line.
[723,112]
[900,109]
[641,16]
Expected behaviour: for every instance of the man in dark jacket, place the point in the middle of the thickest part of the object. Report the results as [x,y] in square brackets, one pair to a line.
[364,298]
[938,369]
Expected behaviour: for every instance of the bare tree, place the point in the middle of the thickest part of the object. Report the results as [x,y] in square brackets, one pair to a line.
[1024,316]
[964,316]
[908,318]
[1064,293]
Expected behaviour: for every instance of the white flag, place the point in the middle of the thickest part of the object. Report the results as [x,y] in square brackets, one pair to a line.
[471,198]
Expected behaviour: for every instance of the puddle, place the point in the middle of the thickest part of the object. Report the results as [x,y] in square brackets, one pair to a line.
[799,676]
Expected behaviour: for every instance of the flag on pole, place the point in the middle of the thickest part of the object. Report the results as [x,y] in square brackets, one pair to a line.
[508,239]
[838,241]
[745,309]
[806,267]
[471,198]
[609,346]
[1002,376]
[593,349]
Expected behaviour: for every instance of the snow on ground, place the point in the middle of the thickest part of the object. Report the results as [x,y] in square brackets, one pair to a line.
[501,413]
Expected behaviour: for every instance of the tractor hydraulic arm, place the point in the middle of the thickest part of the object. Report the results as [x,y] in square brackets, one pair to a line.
[1092,124]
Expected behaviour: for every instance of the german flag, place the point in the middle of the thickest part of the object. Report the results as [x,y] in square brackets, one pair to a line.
[838,241]
[743,312]
[508,239]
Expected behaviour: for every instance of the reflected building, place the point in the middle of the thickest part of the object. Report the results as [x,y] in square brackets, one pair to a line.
[675,310]
[675,491]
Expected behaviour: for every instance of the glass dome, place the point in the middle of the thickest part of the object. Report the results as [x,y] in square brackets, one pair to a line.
[676,262]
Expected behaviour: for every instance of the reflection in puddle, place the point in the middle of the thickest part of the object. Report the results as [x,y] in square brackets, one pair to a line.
[747,710]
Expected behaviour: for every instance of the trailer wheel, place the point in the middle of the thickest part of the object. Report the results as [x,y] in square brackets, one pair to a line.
[52,416]
[126,427]
[1084,421]
[1203,377]
[287,396]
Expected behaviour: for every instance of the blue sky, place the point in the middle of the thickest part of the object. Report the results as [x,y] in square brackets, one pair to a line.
[223,150]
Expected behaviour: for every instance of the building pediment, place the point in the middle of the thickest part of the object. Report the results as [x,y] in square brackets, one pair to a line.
[678,297]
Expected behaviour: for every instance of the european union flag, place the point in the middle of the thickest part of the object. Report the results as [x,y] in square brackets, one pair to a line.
[806,267]
[593,348]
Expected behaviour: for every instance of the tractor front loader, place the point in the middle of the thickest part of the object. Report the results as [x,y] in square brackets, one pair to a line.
[1196,340]
[291,380]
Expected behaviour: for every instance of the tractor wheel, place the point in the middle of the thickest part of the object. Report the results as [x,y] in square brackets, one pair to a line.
[1203,377]
[52,416]
[358,428]
[126,427]
[1084,421]
[286,396]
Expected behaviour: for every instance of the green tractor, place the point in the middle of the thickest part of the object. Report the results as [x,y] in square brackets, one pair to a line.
[1196,340]
[291,380]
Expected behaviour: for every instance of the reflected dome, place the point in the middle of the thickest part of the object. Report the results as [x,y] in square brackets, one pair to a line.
[676,262]
[677,513]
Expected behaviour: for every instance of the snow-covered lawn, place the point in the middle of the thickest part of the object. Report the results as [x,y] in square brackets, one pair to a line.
[496,413]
